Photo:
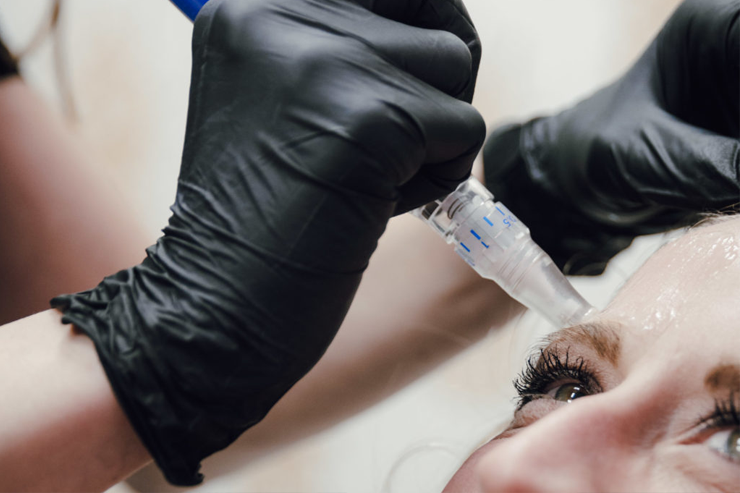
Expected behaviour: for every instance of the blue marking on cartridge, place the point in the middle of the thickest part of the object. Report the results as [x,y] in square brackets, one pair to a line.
[484,244]
[465,247]
[475,234]
[488,221]
[502,212]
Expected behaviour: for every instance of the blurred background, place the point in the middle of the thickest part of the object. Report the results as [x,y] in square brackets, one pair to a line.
[118,72]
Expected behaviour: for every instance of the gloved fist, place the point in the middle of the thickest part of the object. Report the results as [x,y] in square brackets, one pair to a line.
[310,124]
[640,156]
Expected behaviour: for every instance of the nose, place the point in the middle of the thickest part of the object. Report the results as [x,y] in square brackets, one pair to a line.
[588,445]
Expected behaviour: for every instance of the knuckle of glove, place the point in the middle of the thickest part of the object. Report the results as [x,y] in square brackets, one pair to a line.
[323,65]
[477,131]
[457,60]
[232,20]
[232,13]
[377,121]
[388,134]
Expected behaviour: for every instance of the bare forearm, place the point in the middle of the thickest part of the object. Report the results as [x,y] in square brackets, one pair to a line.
[61,428]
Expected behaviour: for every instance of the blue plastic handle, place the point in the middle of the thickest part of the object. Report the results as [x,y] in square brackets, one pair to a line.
[190,7]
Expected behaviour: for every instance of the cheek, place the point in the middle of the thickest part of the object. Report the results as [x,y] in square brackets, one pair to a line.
[465,479]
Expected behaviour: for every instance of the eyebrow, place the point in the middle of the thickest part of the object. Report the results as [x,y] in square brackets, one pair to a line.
[602,337]
[723,377]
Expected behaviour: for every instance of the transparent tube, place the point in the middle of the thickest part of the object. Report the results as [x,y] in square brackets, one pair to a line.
[499,247]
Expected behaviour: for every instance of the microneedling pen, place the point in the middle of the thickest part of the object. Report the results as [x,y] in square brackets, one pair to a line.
[499,247]
[493,242]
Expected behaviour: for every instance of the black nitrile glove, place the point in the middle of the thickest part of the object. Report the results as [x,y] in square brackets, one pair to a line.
[310,124]
[643,155]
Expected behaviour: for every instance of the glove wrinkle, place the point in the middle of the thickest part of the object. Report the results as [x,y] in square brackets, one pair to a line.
[309,123]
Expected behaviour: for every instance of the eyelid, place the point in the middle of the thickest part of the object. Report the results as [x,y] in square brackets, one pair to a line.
[726,413]
[554,366]
[724,417]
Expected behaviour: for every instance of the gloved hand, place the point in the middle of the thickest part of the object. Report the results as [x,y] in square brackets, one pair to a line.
[310,124]
[641,156]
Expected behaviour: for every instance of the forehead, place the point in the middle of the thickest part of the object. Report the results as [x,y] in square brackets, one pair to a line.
[686,296]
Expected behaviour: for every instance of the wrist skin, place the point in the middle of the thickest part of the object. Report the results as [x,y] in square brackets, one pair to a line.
[63,429]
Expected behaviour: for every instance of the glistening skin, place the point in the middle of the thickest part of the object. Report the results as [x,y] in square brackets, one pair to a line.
[643,397]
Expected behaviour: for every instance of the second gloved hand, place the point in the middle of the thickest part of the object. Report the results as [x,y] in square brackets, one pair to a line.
[310,124]
[641,156]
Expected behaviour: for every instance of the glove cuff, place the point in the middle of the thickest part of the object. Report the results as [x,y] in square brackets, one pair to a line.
[105,315]
[193,348]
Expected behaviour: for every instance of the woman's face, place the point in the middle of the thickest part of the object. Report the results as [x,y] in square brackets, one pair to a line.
[644,397]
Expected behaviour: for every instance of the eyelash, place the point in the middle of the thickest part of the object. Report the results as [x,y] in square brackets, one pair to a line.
[548,367]
[551,366]
[726,414]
